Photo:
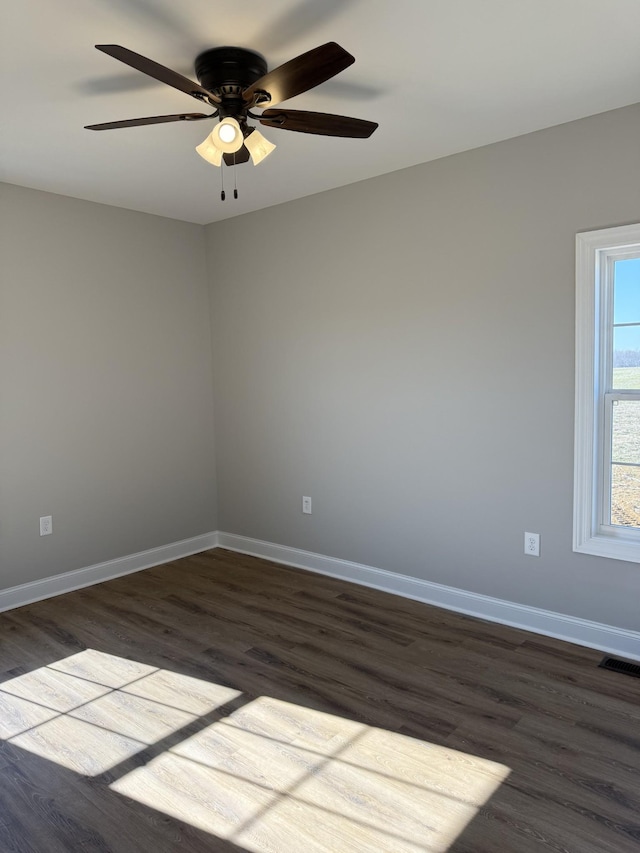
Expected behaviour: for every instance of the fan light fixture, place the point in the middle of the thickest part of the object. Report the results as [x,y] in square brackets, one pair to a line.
[227,138]
[208,151]
[258,146]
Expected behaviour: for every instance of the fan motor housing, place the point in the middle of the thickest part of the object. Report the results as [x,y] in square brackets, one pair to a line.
[229,70]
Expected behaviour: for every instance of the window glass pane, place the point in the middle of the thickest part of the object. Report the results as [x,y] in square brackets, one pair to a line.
[626,357]
[625,433]
[626,293]
[625,495]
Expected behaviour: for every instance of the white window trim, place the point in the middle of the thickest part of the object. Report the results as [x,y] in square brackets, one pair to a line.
[595,253]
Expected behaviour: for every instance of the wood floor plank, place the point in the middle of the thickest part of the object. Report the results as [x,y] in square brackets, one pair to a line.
[225,703]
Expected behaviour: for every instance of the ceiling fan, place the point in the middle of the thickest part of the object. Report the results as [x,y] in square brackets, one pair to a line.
[235,81]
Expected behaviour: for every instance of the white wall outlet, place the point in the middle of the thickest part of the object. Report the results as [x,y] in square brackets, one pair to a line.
[532,544]
[46,525]
[306,505]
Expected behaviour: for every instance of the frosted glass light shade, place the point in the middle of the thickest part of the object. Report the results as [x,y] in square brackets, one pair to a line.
[227,136]
[208,151]
[258,146]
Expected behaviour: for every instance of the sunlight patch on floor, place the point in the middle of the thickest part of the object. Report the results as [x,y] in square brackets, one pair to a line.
[277,776]
[272,775]
[91,711]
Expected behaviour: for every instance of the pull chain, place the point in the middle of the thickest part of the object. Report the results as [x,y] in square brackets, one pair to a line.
[223,194]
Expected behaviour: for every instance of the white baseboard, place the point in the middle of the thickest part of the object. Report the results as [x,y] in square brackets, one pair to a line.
[27,593]
[606,638]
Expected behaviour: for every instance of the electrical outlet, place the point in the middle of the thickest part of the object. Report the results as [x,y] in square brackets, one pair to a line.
[46,525]
[306,505]
[532,544]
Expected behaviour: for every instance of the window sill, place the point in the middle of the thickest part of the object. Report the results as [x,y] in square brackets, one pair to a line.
[611,547]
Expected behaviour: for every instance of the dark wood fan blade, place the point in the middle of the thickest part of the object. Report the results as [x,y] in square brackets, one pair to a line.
[241,156]
[325,124]
[302,73]
[136,122]
[158,72]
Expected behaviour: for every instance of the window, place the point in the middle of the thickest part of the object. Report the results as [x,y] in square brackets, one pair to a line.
[607,437]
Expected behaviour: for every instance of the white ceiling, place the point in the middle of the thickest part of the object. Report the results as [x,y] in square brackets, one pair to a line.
[440,76]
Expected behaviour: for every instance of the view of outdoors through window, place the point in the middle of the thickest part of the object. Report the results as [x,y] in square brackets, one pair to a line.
[625,422]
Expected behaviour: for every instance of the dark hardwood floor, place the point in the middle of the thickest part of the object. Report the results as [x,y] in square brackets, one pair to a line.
[223,703]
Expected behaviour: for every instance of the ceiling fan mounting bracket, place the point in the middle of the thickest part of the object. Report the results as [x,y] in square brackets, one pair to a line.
[227,71]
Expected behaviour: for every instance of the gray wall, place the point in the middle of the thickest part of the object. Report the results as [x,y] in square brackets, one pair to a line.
[105,383]
[402,350]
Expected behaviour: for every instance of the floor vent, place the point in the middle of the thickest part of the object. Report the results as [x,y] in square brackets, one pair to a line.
[623,666]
